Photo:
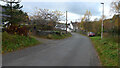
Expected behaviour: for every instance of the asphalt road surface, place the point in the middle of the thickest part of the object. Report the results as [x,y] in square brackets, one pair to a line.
[74,51]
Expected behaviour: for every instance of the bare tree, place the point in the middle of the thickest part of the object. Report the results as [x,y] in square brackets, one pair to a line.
[115,6]
[46,17]
[87,16]
[85,22]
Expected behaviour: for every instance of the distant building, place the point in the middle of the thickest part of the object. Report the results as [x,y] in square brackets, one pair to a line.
[62,26]
[75,26]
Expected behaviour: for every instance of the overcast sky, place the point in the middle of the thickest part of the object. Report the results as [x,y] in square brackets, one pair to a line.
[76,8]
[66,0]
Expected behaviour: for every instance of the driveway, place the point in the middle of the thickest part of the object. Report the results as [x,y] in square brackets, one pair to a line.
[74,51]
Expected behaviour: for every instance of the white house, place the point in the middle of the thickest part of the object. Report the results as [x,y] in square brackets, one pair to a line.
[62,26]
[75,26]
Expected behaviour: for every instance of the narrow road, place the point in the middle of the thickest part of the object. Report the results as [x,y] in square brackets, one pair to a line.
[74,51]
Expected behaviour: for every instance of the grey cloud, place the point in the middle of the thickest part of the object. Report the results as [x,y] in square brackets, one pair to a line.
[73,7]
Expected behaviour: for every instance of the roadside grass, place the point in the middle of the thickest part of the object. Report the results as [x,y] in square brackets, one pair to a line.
[63,36]
[56,36]
[0,41]
[107,50]
[16,42]
[0,36]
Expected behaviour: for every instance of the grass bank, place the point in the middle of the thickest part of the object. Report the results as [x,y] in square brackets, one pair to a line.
[0,41]
[0,35]
[56,36]
[107,50]
[16,42]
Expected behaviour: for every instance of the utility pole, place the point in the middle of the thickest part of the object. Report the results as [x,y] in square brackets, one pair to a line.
[119,21]
[66,22]
[102,21]
[119,11]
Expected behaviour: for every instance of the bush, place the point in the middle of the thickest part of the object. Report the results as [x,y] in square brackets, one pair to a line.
[20,30]
[49,36]
[23,31]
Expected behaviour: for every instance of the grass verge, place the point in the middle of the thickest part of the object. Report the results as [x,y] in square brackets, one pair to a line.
[107,50]
[56,36]
[0,42]
[63,36]
[15,42]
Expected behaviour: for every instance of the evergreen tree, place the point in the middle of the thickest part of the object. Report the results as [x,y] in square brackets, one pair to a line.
[15,15]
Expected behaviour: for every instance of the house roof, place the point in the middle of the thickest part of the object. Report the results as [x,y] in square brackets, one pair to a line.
[61,25]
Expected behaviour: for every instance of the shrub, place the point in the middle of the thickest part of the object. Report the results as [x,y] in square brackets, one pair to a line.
[23,31]
[20,30]
[49,36]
